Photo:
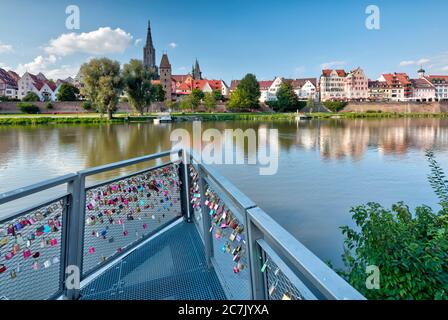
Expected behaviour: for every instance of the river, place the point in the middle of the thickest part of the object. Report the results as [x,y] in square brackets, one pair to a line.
[325,166]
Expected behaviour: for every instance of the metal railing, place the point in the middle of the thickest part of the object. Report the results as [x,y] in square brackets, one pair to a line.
[88,227]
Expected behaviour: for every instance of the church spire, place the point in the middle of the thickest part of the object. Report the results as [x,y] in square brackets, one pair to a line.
[149,52]
[197,74]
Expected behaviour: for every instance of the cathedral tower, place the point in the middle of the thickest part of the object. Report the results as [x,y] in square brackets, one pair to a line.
[149,53]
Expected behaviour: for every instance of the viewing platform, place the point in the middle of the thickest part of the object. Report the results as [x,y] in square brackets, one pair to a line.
[175,231]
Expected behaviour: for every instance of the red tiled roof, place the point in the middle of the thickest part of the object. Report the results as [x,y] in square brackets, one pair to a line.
[421,84]
[299,83]
[392,78]
[434,78]
[234,84]
[265,84]
[181,77]
[214,84]
[7,78]
[327,72]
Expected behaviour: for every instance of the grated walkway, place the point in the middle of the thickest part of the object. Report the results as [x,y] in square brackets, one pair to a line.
[170,267]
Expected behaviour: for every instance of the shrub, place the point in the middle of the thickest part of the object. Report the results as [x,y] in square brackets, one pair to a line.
[410,249]
[49,105]
[31,97]
[335,106]
[28,108]
[86,105]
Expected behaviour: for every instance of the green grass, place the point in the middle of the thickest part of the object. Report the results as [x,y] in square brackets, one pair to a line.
[86,118]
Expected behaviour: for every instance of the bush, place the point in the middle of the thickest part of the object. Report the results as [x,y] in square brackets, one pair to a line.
[410,249]
[335,106]
[31,97]
[28,108]
[86,105]
[8,99]
[49,106]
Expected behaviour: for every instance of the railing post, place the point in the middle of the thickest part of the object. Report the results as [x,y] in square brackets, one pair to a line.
[74,237]
[206,221]
[185,186]
[258,278]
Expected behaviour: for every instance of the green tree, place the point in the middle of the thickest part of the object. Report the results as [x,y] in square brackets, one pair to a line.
[246,95]
[188,103]
[198,95]
[287,99]
[31,97]
[210,101]
[67,92]
[410,249]
[158,94]
[310,104]
[103,84]
[137,83]
[218,95]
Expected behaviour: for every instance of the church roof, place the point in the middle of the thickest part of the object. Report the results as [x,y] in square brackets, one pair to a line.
[165,63]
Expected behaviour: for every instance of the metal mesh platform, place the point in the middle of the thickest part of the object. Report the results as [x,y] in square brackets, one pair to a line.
[170,267]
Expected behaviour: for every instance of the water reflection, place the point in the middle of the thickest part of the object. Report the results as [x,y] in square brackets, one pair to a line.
[325,166]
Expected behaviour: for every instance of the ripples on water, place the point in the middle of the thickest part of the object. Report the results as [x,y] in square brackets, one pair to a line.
[325,167]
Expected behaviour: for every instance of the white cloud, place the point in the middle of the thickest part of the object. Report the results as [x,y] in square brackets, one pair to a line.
[6,48]
[138,42]
[333,64]
[444,68]
[46,65]
[414,62]
[173,45]
[407,63]
[102,41]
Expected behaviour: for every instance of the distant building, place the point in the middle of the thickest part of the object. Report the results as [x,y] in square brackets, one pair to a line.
[398,86]
[196,71]
[423,90]
[356,85]
[377,90]
[149,53]
[440,84]
[332,85]
[39,84]
[165,77]
[8,84]
[305,88]
[265,86]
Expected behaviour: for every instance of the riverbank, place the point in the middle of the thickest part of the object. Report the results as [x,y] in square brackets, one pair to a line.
[94,118]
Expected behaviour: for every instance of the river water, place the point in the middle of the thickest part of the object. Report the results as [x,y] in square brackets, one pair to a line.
[325,166]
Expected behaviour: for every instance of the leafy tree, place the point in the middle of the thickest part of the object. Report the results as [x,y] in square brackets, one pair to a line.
[287,99]
[410,249]
[158,94]
[218,95]
[189,103]
[210,101]
[137,83]
[31,97]
[310,104]
[198,95]
[49,106]
[238,101]
[103,84]
[246,95]
[28,107]
[86,105]
[67,92]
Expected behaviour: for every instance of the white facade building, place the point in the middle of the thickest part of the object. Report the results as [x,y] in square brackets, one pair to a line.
[332,85]
[356,85]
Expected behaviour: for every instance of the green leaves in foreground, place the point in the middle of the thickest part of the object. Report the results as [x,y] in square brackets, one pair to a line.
[410,249]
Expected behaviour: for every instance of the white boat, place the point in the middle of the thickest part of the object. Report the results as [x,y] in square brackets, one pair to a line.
[163,117]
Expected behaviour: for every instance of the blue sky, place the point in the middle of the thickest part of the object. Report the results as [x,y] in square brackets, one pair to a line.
[290,38]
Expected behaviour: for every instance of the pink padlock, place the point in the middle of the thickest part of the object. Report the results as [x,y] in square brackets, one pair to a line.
[54,242]
[26,253]
[91,250]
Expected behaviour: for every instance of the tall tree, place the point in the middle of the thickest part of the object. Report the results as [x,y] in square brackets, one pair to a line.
[210,101]
[158,94]
[197,94]
[103,84]
[137,84]
[246,95]
[67,92]
[287,99]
